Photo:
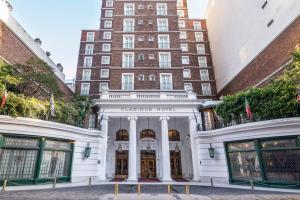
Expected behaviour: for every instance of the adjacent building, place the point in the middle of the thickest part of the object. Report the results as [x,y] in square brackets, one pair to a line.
[251,41]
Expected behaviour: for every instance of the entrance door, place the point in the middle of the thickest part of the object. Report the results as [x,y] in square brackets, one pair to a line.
[121,168]
[148,164]
[176,171]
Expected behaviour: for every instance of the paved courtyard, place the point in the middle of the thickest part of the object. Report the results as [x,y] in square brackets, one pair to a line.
[148,192]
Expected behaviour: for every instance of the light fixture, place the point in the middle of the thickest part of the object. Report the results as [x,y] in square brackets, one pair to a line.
[87,151]
[120,149]
[211,151]
[177,149]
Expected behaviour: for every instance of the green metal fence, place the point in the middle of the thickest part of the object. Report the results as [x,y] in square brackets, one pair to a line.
[34,160]
[271,162]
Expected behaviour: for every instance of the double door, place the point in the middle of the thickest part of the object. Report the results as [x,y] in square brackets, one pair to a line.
[148,164]
[121,168]
[176,170]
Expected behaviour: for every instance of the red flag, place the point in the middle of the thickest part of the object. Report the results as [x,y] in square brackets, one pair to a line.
[248,110]
[4,97]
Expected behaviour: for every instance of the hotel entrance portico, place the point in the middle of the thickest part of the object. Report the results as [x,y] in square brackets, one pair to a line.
[148,135]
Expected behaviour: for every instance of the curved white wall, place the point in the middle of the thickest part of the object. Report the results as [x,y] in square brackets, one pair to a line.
[82,169]
[217,168]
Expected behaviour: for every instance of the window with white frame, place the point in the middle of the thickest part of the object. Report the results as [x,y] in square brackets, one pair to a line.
[109,3]
[185,60]
[129,9]
[88,61]
[128,41]
[141,7]
[200,48]
[107,24]
[104,73]
[164,59]
[151,77]
[128,25]
[103,87]
[128,60]
[197,25]
[180,13]
[86,75]
[163,41]
[186,73]
[105,60]
[188,86]
[89,49]
[108,13]
[161,9]
[181,24]
[184,47]
[151,56]
[206,90]
[166,81]
[179,3]
[151,38]
[162,25]
[204,75]
[182,35]
[202,61]
[140,22]
[85,89]
[141,77]
[141,56]
[141,38]
[90,36]
[106,35]
[199,37]
[127,81]
[106,47]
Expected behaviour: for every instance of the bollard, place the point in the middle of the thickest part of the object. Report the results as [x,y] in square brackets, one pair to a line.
[169,189]
[54,183]
[116,189]
[4,185]
[90,181]
[138,189]
[187,189]
[211,182]
[252,185]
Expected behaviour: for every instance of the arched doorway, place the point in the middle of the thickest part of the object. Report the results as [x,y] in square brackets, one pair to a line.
[175,155]
[121,165]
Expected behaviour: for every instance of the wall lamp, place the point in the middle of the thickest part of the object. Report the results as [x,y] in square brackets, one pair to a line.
[211,151]
[87,151]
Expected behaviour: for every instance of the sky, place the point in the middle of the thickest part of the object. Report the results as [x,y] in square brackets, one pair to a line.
[58,23]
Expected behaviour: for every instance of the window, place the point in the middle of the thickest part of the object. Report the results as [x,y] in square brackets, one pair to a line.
[89,49]
[108,13]
[182,35]
[174,135]
[163,41]
[161,9]
[141,77]
[107,24]
[185,60]
[85,89]
[200,48]
[129,9]
[122,135]
[150,22]
[103,87]
[151,56]
[128,60]
[141,56]
[127,82]
[140,7]
[140,22]
[147,133]
[104,73]
[197,25]
[186,73]
[151,77]
[180,13]
[105,60]
[179,3]
[86,75]
[162,25]
[202,61]
[128,41]
[128,25]
[188,87]
[206,90]
[107,35]
[141,38]
[164,59]
[109,3]
[199,36]
[150,7]
[204,75]
[151,39]
[166,82]
[88,61]
[90,36]
[184,47]
[181,24]
[106,47]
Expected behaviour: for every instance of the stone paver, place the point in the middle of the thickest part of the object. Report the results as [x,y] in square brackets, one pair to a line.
[105,192]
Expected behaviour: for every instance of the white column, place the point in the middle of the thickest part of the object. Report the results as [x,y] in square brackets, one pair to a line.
[193,130]
[165,150]
[103,149]
[132,171]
